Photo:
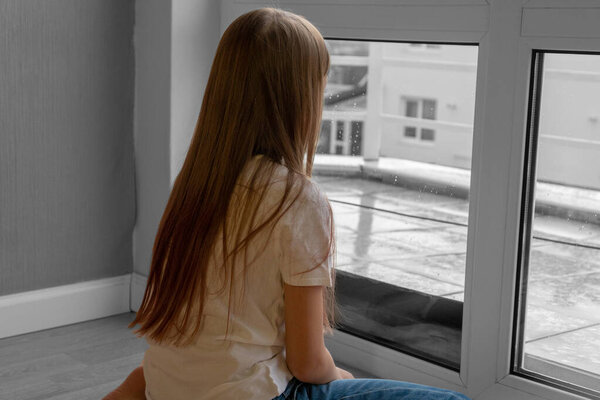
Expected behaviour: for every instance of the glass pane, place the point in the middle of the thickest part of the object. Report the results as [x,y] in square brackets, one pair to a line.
[356,144]
[429,109]
[412,107]
[340,130]
[401,208]
[560,337]
[427,134]
[324,138]
[410,132]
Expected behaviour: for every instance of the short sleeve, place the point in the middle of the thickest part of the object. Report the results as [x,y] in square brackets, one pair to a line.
[304,235]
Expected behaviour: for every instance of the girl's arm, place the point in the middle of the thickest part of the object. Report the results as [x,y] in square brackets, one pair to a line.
[306,355]
[133,388]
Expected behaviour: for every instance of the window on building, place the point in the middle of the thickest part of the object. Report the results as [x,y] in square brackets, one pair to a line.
[412,108]
[345,100]
[324,145]
[419,108]
[428,109]
[410,132]
[427,135]
[356,138]
[340,131]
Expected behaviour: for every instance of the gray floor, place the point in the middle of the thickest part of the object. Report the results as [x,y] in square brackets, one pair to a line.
[80,361]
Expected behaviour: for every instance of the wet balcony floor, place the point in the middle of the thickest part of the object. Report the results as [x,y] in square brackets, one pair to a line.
[417,240]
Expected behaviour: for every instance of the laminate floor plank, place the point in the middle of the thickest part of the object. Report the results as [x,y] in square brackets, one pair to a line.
[39,367]
[78,361]
[98,353]
[28,389]
[95,392]
[96,374]
[101,324]
[68,340]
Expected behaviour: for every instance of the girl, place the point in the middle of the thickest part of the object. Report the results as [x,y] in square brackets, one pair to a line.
[240,290]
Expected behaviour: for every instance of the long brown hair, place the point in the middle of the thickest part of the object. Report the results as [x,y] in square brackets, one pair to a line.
[264,96]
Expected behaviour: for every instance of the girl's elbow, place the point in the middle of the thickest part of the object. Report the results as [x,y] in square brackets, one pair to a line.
[307,377]
[313,371]
[303,374]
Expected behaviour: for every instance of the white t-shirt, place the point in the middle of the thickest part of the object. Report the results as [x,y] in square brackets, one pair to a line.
[250,363]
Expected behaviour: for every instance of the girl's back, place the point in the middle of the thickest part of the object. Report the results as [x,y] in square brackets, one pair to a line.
[250,361]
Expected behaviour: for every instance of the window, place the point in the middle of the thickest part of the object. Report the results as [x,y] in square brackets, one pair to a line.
[558,337]
[345,101]
[324,145]
[410,132]
[401,239]
[493,40]
[412,108]
[356,138]
[428,109]
[427,134]
[423,109]
[340,131]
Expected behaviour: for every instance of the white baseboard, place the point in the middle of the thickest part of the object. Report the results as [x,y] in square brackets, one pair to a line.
[63,305]
[138,287]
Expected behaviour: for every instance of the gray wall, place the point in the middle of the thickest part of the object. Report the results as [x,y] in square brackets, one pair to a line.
[67,194]
[175,42]
[195,35]
[152,40]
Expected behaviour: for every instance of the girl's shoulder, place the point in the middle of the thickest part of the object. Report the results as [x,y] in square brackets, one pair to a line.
[307,188]
[304,196]
[309,206]
[312,194]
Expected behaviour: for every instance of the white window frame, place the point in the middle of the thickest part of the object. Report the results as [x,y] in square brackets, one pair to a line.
[424,48]
[506,31]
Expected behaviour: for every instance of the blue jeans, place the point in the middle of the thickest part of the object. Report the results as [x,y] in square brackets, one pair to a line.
[365,389]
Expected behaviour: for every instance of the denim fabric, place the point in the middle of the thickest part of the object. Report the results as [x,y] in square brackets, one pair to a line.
[365,389]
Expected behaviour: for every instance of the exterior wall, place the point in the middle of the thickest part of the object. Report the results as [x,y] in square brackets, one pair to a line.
[446,75]
[67,198]
[569,132]
[570,121]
